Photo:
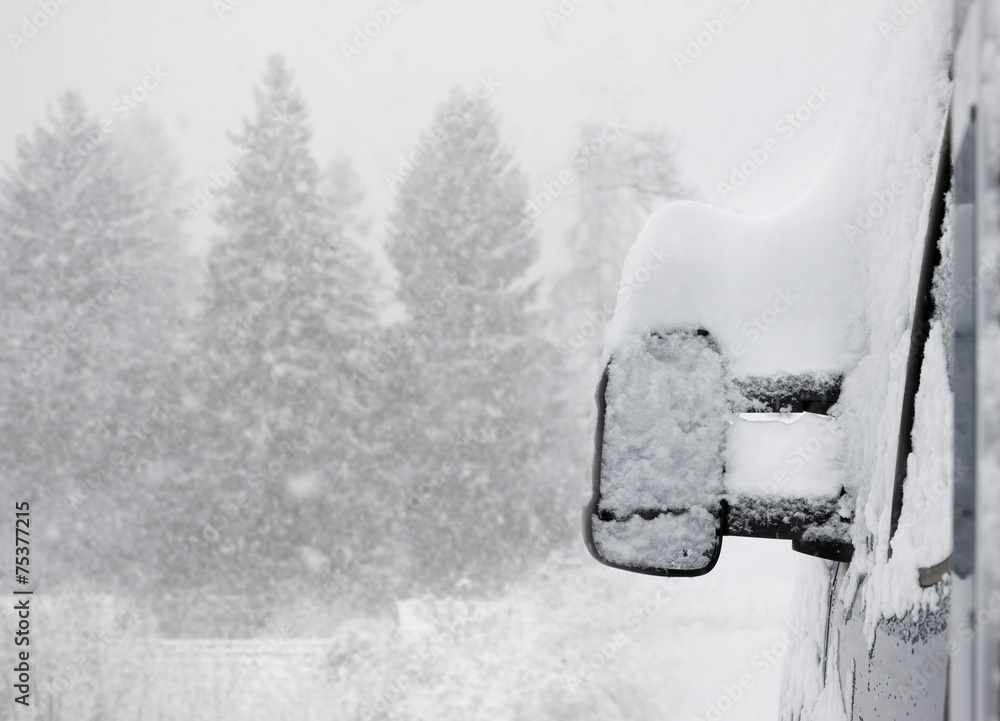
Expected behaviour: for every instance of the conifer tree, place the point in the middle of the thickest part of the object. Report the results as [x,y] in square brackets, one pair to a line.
[473,385]
[278,426]
[92,297]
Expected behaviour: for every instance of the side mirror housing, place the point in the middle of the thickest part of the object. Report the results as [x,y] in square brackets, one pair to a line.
[685,454]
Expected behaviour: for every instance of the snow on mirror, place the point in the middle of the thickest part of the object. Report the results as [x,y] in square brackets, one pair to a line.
[712,418]
[660,475]
[684,455]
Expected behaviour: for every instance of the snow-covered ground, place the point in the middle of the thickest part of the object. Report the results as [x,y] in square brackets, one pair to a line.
[722,640]
[579,641]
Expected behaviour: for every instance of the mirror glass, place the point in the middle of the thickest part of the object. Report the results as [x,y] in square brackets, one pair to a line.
[658,484]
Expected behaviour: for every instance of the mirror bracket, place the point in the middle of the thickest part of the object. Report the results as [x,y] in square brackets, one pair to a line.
[830,550]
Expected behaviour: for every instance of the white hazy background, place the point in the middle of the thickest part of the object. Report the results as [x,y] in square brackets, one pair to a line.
[608,59]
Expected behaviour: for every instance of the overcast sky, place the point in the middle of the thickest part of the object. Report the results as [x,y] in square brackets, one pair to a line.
[608,59]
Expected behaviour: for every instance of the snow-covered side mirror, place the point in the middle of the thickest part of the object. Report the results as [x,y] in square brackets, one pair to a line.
[684,455]
[717,414]
[657,504]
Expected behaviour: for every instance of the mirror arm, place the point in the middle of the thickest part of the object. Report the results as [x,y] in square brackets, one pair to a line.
[814,528]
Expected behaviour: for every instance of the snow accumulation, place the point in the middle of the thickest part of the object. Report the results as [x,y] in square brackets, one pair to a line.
[989,306]
[793,268]
[664,425]
[909,93]
[784,455]
[669,410]
[684,541]
[825,285]
[923,538]
[663,432]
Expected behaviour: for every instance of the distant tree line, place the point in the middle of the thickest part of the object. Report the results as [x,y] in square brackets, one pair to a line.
[246,427]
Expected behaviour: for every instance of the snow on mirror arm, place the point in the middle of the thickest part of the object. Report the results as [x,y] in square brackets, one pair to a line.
[684,454]
[721,410]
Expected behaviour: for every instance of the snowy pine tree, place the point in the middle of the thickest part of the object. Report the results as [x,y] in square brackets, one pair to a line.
[278,429]
[472,386]
[92,298]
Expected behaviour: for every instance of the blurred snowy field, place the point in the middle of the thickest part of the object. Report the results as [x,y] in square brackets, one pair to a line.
[573,641]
